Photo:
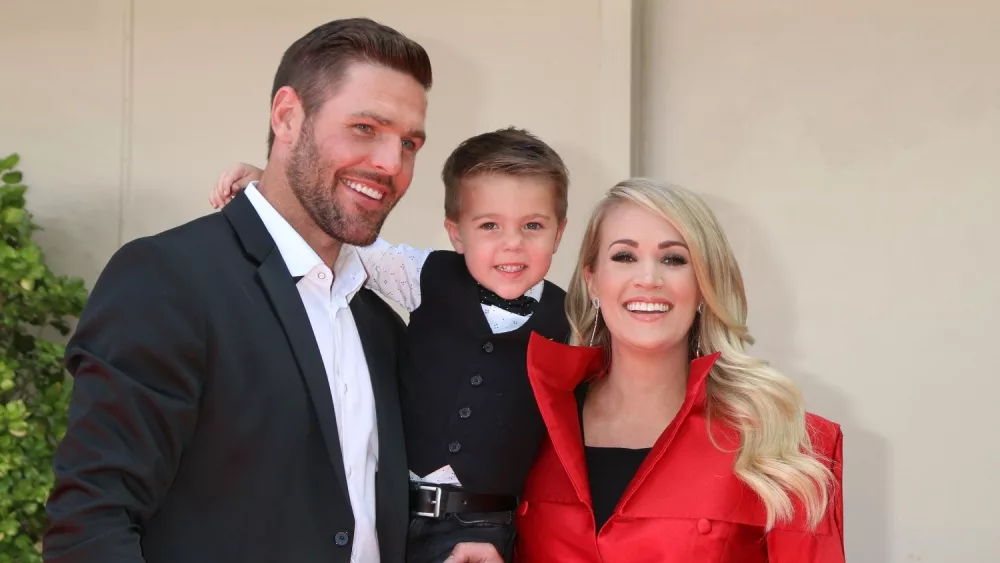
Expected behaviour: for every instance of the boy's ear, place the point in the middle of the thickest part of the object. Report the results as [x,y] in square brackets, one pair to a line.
[559,234]
[454,235]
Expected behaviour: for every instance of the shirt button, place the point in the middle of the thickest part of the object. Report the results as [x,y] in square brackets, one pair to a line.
[341,538]
[488,347]
[465,412]
[454,447]
[476,380]
[321,276]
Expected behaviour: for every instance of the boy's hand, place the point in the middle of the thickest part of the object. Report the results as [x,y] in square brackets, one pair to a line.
[232,181]
[474,553]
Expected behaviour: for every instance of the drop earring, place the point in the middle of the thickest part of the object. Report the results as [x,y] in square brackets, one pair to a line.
[597,317]
[697,327]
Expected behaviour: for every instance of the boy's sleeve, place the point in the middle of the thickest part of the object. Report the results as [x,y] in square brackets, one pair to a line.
[394,271]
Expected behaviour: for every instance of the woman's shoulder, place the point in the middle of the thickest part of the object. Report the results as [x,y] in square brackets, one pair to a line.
[826,436]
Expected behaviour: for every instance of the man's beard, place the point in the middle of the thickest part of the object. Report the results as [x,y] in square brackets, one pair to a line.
[306,171]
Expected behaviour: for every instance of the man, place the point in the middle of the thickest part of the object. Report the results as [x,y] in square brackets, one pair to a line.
[235,386]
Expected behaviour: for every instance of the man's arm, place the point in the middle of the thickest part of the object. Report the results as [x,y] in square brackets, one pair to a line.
[137,358]
[394,271]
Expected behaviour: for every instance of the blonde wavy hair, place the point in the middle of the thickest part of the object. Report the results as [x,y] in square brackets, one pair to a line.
[775,457]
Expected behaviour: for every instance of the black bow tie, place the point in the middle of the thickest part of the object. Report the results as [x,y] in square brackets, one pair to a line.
[522,305]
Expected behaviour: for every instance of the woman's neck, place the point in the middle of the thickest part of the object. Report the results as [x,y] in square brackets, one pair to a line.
[640,376]
[640,395]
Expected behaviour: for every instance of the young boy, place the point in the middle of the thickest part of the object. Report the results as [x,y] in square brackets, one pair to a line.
[472,426]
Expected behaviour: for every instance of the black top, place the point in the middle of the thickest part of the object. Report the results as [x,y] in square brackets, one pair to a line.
[609,470]
[465,392]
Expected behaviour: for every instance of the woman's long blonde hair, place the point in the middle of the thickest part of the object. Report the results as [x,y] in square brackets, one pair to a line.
[775,457]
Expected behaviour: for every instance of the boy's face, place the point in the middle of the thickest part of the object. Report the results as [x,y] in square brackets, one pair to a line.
[508,231]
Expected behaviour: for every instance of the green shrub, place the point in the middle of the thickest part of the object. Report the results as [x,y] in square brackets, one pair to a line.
[34,389]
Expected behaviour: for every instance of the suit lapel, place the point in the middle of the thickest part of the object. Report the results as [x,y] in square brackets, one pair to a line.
[377,342]
[381,348]
[287,305]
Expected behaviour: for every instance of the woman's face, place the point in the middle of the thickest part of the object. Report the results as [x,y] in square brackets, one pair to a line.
[644,279]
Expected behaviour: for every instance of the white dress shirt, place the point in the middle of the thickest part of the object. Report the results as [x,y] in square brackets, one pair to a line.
[394,271]
[326,295]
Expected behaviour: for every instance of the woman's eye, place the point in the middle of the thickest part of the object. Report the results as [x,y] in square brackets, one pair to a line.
[622,257]
[675,260]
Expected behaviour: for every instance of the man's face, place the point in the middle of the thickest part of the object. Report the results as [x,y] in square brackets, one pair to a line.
[353,159]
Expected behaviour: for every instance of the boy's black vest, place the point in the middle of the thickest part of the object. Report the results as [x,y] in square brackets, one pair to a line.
[465,394]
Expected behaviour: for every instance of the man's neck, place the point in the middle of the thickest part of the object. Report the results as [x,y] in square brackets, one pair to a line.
[274,187]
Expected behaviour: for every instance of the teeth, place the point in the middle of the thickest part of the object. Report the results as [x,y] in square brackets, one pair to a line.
[647,307]
[363,189]
[510,268]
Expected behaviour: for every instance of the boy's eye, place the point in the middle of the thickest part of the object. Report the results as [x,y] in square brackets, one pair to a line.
[364,127]
[409,145]
[489,226]
[534,226]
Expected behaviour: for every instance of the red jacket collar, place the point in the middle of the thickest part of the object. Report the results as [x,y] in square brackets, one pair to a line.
[564,367]
[555,371]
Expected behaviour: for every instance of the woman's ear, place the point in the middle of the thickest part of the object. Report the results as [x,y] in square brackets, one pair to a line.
[588,276]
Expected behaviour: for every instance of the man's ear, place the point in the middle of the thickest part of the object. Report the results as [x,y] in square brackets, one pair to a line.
[559,234]
[454,235]
[287,116]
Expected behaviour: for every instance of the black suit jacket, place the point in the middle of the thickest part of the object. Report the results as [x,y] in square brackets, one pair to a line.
[201,427]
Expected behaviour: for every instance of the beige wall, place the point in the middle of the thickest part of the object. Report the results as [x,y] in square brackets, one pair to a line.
[848,147]
[167,94]
[852,150]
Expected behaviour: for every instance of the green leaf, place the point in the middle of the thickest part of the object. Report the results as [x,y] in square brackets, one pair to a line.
[11,178]
[10,162]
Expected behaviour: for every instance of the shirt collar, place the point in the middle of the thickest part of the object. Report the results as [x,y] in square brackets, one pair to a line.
[536,291]
[300,258]
[349,272]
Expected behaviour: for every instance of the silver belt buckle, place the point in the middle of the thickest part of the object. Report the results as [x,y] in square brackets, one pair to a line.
[436,501]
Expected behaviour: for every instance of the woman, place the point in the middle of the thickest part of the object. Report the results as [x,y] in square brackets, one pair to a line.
[668,442]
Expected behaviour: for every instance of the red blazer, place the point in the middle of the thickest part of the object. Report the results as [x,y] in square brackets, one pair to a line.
[685,504]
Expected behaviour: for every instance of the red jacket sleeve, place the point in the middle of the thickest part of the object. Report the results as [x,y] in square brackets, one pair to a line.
[826,546]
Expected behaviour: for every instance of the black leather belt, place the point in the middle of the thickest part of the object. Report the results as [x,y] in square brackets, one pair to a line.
[434,502]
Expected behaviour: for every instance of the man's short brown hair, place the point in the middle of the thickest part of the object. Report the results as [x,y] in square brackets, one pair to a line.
[506,152]
[315,63]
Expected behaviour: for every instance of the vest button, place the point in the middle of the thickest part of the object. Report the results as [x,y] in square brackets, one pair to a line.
[341,538]
[476,380]
[488,347]
[464,412]
[454,447]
